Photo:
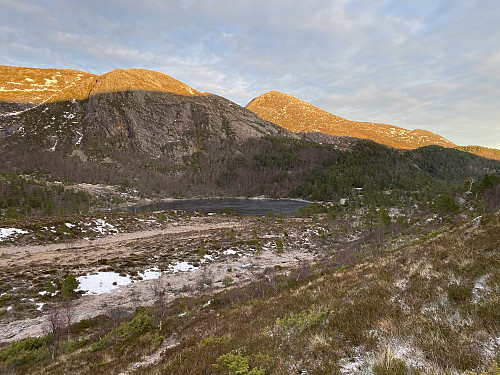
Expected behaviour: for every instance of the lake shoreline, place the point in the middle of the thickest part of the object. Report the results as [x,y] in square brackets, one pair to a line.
[258,206]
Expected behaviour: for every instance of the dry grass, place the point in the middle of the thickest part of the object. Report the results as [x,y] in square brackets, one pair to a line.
[411,311]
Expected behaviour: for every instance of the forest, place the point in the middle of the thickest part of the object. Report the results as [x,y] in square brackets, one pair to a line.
[366,173]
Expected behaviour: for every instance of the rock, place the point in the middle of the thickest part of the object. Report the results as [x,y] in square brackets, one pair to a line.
[477,221]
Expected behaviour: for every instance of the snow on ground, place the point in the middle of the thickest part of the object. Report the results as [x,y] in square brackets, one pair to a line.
[8,232]
[79,139]
[356,364]
[53,148]
[105,282]
[102,282]
[150,274]
[230,252]
[103,227]
[50,81]
[68,115]
[44,292]
[183,267]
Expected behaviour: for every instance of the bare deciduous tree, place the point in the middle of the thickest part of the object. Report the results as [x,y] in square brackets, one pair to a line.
[69,314]
[159,292]
[135,293]
[55,327]
[114,314]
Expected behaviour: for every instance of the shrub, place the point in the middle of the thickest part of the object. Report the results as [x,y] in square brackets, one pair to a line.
[389,364]
[279,245]
[101,344]
[141,322]
[69,286]
[30,350]
[235,364]
[297,323]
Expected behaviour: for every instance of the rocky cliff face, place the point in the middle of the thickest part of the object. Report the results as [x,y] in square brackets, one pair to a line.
[133,127]
[145,129]
[148,111]
[299,116]
[163,116]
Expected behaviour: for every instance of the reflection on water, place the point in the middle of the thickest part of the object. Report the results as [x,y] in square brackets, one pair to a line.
[258,207]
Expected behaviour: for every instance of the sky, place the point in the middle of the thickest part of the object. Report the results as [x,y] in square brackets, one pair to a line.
[418,64]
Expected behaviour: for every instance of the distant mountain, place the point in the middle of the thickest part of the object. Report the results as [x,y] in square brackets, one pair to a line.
[145,130]
[299,116]
[22,88]
[133,127]
[120,80]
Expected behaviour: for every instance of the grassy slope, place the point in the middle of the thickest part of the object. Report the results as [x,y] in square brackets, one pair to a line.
[429,307]
[425,302]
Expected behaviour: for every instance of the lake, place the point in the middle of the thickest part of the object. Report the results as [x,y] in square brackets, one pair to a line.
[258,207]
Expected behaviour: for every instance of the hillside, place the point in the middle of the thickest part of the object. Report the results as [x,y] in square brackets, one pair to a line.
[151,135]
[122,121]
[395,269]
[318,295]
[485,152]
[299,116]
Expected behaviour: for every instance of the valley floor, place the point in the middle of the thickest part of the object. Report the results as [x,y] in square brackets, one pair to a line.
[189,256]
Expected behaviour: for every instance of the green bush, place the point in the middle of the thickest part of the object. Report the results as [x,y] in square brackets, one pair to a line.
[69,285]
[141,322]
[28,351]
[101,344]
[296,323]
[235,364]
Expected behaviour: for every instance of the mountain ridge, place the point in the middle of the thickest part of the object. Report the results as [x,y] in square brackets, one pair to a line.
[24,88]
[143,128]
[142,80]
[299,116]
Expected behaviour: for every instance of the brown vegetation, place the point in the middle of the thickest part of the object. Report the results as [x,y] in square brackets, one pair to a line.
[299,116]
[428,308]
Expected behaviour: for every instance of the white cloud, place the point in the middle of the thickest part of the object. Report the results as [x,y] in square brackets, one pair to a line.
[430,64]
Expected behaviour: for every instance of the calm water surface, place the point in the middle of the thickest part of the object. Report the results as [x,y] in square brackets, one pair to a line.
[258,207]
